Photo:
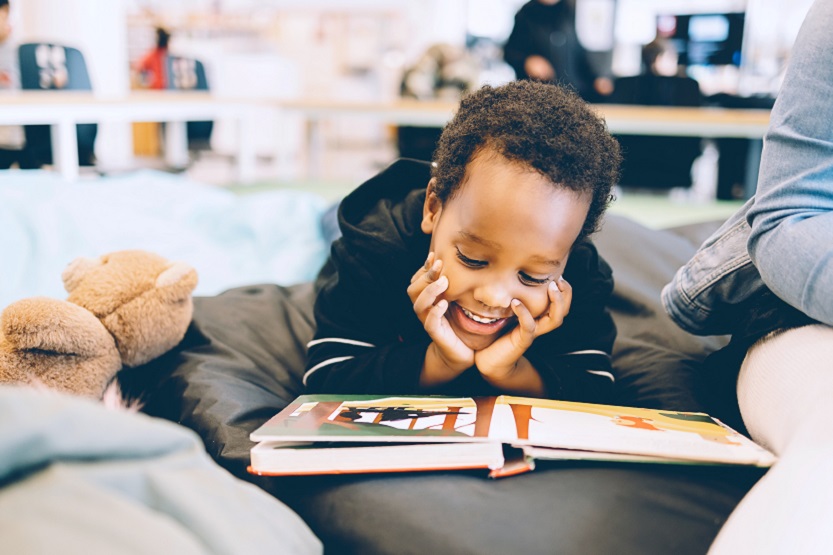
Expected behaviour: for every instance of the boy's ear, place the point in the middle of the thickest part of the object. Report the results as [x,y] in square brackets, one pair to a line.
[431,209]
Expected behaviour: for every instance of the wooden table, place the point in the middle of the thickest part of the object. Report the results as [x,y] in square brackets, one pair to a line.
[685,122]
[621,118]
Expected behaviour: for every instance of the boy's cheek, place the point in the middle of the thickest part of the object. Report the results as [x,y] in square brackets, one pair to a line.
[539,304]
[449,294]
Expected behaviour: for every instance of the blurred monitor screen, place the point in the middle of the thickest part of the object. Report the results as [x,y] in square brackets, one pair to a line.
[707,39]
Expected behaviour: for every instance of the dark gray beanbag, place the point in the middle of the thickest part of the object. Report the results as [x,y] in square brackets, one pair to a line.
[242,361]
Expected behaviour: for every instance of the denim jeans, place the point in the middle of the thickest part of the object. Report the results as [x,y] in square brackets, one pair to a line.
[709,293]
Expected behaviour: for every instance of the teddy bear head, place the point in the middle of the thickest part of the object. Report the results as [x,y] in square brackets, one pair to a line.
[124,309]
[142,299]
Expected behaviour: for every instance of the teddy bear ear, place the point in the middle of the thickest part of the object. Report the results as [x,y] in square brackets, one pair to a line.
[179,276]
[76,270]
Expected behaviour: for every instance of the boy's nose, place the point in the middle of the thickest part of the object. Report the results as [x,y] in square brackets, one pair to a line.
[494,295]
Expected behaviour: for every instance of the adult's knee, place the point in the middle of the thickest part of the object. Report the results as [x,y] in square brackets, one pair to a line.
[783,377]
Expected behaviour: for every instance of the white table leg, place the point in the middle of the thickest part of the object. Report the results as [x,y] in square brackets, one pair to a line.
[65,149]
[315,147]
[246,157]
[176,144]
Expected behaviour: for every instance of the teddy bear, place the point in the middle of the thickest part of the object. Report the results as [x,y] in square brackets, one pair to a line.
[124,309]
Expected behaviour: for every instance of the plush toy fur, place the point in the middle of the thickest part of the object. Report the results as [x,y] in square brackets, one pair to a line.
[125,308]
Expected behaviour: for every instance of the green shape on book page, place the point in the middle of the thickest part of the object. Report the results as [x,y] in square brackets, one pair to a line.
[369,429]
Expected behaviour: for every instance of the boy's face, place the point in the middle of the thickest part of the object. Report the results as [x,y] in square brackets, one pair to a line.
[505,234]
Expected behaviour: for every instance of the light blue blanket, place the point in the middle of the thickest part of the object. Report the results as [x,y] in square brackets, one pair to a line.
[78,478]
[231,239]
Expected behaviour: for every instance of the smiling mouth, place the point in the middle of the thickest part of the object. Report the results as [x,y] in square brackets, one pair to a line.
[470,325]
[480,319]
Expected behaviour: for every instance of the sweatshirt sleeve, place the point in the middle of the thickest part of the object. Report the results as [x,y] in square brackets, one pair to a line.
[791,241]
[574,360]
[357,347]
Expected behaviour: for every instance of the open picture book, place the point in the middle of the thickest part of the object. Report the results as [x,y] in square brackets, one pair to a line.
[319,434]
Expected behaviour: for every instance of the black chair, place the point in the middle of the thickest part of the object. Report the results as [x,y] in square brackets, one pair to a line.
[189,74]
[45,66]
[657,162]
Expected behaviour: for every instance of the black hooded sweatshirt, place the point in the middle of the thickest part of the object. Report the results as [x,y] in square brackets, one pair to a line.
[370,341]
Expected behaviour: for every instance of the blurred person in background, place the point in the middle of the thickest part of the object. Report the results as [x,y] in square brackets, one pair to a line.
[660,83]
[650,161]
[544,46]
[152,67]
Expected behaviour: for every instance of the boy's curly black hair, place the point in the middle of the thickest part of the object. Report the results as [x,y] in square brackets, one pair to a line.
[544,127]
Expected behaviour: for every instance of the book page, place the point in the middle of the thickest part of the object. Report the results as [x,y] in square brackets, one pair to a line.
[615,429]
[379,418]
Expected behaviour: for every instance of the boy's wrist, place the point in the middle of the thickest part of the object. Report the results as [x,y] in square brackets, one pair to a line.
[521,377]
[501,373]
[437,369]
[454,367]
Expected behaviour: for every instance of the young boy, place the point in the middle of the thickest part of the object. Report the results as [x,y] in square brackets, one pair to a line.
[484,282]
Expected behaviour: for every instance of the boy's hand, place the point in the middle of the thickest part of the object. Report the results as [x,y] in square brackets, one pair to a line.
[499,360]
[427,284]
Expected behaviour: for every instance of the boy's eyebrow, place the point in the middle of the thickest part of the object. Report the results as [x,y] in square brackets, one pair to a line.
[479,240]
[466,235]
[546,261]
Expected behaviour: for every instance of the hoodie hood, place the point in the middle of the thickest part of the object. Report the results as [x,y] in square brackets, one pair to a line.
[385,212]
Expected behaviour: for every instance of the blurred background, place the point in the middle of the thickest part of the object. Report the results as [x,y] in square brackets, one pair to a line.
[376,51]
[223,132]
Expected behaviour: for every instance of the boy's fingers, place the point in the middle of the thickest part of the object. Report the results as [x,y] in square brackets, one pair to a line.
[424,268]
[423,278]
[429,261]
[429,295]
[414,289]
[526,322]
[431,272]
[527,325]
[419,273]
[556,302]
[433,321]
[566,291]
[434,270]
[560,294]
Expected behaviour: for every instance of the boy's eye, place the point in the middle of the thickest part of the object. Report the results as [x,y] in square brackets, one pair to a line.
[470,262]
[527,279]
